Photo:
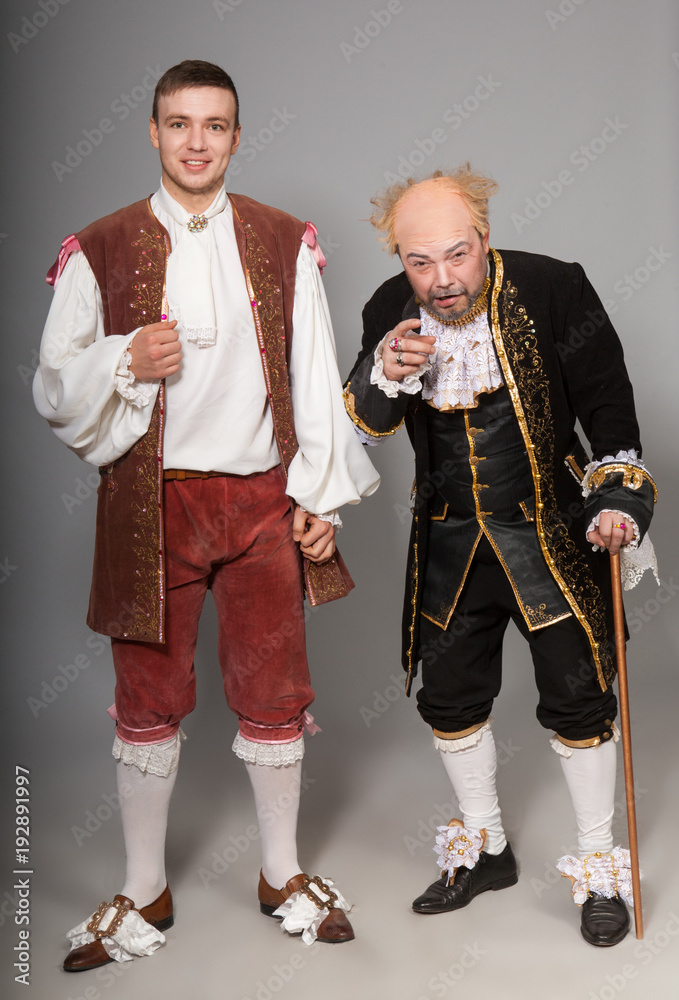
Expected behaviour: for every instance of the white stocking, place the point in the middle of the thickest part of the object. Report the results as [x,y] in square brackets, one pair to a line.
[144,805]
[472,773]
[590,776]
[277,791]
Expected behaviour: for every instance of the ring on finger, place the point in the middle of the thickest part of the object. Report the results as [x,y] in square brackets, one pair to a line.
[621,525]
[399,360]
[393,343]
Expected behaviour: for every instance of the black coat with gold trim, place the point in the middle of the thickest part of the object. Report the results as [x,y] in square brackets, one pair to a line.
[561,360]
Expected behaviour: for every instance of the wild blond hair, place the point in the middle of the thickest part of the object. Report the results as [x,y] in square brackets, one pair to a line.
[474,188]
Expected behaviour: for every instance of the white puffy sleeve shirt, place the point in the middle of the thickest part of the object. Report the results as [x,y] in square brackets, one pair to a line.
[218,417]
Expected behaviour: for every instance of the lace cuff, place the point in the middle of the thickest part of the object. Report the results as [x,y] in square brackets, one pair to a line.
[271,754]
[155,758]
[138,393]
[411,384]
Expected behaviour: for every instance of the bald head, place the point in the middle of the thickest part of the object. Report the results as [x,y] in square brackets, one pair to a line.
[432,214]
[442,253]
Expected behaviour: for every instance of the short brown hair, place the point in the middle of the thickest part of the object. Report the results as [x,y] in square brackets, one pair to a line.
[474,188]
[193,73]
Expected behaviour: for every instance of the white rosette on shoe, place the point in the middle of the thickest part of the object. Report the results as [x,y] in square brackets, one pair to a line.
[457,847]
[133,936]
[599,874]
[305,910]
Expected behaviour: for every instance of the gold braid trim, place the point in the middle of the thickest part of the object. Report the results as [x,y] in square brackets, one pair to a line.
[632,476]
[350,406]
[516,346]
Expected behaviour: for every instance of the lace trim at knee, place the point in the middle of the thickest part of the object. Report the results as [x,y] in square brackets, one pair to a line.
[452,746]
[155,758]
[273,754]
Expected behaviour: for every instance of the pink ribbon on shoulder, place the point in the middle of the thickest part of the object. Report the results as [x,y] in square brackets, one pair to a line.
[310,238]
[69,246]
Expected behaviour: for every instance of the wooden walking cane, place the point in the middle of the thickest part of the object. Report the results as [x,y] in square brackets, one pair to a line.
[619,622]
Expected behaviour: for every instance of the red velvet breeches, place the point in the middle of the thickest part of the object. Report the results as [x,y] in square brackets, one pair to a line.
[232,535]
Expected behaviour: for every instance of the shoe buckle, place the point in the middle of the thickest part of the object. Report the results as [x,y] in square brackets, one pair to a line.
[312,893]
[94,925]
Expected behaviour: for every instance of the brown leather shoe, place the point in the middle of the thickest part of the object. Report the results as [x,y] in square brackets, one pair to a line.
[334,929]
[90,956]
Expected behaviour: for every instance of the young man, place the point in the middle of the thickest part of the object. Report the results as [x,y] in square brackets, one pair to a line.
[513,347]
[189,355]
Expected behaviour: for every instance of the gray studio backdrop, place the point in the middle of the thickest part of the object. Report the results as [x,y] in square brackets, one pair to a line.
[572,106]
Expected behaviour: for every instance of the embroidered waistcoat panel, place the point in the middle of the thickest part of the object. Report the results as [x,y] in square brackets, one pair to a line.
[128,253]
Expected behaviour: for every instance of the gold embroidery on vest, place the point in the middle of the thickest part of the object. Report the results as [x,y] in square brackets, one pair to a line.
[522,365]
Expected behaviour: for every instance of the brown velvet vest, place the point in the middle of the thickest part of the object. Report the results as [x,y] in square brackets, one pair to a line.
[128,253]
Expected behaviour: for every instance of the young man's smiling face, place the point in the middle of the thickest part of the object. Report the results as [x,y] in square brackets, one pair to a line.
[196,136]
[443,255]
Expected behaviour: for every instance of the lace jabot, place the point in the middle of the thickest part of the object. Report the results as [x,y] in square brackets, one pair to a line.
[465,363]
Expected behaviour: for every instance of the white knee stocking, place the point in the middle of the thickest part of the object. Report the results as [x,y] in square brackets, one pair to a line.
[590,776]
[472,773]
[144,805]
[277,791]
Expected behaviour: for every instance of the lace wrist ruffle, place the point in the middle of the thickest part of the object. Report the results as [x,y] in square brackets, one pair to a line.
[635,558]
[410,385]
[138,393]
[594,523]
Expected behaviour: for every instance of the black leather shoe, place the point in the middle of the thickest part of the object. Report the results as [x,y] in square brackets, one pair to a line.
[605,922]
[491,871]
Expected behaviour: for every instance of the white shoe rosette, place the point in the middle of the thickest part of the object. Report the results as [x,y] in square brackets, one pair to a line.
[132,936]
[599,874]
[456,846]
[305,910]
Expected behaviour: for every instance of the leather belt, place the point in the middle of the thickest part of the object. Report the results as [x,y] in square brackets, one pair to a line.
[182,474]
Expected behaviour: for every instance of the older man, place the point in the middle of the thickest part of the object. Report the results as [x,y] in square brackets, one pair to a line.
[189,354]
[490,357]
